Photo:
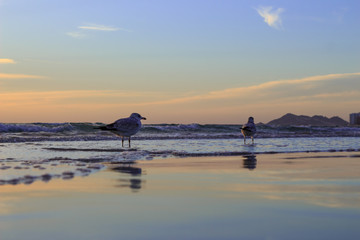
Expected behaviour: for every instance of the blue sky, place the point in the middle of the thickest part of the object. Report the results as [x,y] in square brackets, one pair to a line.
[100,60]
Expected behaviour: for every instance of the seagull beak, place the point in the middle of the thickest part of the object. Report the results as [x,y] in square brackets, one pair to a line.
[143,118]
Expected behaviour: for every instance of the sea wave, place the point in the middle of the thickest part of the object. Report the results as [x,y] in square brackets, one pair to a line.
[33,132]
[35,127]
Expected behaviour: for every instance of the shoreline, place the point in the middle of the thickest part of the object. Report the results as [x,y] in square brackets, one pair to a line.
[60,138]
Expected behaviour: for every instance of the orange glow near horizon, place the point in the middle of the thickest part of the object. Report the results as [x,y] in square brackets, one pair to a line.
[309,96]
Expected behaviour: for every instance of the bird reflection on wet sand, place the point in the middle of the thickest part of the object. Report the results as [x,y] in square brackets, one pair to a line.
[130,176]
[249,162]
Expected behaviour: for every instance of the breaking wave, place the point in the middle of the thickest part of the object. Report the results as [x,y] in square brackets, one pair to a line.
[33,132]
[36,127]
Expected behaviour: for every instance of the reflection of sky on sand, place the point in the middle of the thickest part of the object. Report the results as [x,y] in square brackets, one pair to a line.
[193,198]
[330,182]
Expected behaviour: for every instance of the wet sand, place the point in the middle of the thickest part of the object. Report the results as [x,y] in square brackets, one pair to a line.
[264,196]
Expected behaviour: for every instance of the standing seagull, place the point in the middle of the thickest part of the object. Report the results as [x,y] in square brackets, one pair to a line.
[125,127]
[249,129]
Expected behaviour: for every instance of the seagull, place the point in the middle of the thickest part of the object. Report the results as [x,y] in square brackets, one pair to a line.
[249,129]
[125,127]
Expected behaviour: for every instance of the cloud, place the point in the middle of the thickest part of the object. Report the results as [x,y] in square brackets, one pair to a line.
[77,35]
[7,61]
[93,27]
[79,97]
[280,88]
[100,28]
[18,76]
[332,94]
[271,17]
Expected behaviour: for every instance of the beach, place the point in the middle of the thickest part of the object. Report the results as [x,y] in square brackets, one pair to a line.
[253,196]
[179,120]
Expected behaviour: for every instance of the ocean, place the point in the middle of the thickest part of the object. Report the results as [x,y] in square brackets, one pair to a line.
[37,132]
[52,149]
[166,140]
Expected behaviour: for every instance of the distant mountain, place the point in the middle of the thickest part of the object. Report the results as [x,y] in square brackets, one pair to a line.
[296,120]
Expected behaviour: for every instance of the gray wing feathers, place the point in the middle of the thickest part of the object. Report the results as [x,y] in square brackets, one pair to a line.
[249,127]
[126,125]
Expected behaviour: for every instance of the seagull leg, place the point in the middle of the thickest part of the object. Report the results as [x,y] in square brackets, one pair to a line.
[252,138]
[244,140]
[129,142]
[122,141]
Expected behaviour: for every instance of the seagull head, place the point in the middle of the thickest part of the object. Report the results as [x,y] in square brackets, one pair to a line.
[251,120]
[137,116]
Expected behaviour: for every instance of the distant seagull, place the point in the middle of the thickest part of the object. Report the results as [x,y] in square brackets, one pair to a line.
[249,129]
[125,127]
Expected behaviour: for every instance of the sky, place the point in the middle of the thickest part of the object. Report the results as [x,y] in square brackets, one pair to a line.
[178,61]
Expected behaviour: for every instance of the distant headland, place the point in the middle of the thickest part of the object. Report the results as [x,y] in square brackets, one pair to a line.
[290,119]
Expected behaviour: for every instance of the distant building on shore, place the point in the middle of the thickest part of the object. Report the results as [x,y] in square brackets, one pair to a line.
[355,118]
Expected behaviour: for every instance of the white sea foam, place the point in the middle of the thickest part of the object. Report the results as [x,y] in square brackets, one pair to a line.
[112,151]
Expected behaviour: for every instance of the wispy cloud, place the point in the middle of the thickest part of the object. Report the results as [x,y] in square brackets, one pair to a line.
[77,35]
[333,94]
[18,76]
[99,28]
[271,16]
[80,97]
[298,87]
[332,85]
[6,61]
[322,86]
[84,29]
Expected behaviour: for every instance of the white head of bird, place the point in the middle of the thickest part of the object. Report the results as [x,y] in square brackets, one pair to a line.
[137,116]
[251,120]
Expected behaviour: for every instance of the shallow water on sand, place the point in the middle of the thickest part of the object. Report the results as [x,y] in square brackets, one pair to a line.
[277,188]
[255,196]
[145,149]
[27,162]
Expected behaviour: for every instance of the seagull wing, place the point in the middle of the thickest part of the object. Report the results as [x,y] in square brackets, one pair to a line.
[246,128]
[249,127]
[126,125]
